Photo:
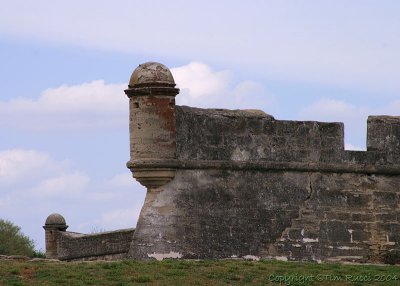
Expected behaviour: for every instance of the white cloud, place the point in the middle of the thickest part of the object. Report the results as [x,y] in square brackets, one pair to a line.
[116,188]
[316,41]
[64,185]
[98,106]
[32,174]
[94,97]
[201,86]
[119,218]
[86,106]
[335,110]
[123,180]
[33,185]
[200,80]
[19,165]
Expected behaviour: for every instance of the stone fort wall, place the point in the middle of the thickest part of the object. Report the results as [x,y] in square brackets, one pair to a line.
[239,183]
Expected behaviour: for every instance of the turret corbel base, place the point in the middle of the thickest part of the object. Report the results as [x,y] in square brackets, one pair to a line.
[153,178]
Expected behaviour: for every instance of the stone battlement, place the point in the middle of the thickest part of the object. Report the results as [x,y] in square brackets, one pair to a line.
[242,135]
[252,139]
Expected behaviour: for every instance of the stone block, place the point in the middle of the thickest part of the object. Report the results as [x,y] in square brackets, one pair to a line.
[334,231]
[383,134]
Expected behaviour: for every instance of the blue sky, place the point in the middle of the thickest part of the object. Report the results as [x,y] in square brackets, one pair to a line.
[65,64]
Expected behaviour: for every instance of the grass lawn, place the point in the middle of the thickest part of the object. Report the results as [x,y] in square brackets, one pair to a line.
[203,272]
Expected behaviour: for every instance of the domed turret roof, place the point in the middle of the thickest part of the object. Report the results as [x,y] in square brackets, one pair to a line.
[55,219]
[151,73]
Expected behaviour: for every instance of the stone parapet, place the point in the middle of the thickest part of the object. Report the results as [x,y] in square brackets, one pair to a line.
[109,245]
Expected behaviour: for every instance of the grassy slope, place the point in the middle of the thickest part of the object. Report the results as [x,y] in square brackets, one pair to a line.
[178,272]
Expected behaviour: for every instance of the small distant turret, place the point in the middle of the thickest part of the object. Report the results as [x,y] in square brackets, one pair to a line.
[53,225]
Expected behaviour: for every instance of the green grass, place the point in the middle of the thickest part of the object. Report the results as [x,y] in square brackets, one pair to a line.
[203,272]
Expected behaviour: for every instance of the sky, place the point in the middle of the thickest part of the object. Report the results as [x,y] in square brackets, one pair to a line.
[64,138]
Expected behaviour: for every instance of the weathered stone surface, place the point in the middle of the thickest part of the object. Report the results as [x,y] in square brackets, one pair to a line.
[56,220]
[225,214]
[383,134]
[239,183]
[152,128]
[248,184]
[239,135]
[151,73]
[99,246]
[54,225]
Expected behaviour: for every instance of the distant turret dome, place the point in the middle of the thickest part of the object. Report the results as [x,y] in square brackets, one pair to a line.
[55,219]
[151,73]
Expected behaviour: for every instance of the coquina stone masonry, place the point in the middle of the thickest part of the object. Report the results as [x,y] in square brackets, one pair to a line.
[241,184]
[247,185]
